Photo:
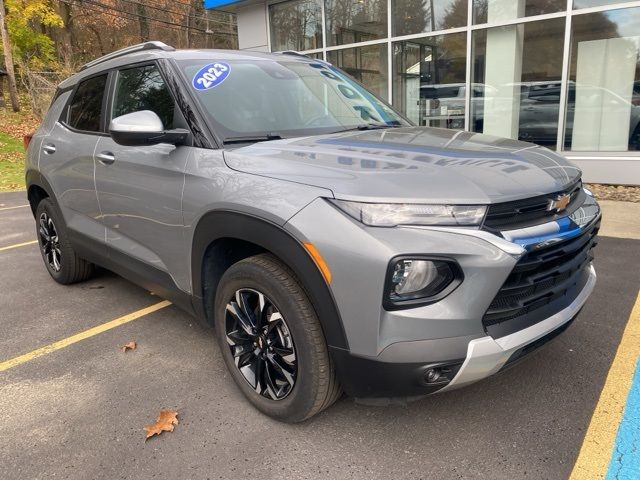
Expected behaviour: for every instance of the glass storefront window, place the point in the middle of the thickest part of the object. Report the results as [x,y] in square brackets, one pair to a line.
[367,64]
[351,21]
[603,95]
[418,16]
[296,25]
[495,11]
[429,80]
[517,71]
[595,3]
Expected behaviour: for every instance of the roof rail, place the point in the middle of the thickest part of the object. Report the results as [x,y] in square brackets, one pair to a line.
[154,45]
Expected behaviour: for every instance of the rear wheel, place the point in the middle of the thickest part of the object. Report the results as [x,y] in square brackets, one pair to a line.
[61,260]
[272,342]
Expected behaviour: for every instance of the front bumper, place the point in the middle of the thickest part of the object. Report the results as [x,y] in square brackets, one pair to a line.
[390,352]
[364,377]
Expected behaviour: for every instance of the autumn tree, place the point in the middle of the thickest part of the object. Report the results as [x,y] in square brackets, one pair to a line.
[96,27]
[27,21]
[8,59]
[48,39]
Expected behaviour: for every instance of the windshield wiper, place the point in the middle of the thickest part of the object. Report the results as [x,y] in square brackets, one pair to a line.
[368,126]
[252,139]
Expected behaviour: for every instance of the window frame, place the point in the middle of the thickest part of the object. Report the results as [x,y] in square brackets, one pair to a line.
[64,116]
[115,73]
[202,140]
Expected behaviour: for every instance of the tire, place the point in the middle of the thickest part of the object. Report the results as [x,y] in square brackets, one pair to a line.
[306,384]
[62,262]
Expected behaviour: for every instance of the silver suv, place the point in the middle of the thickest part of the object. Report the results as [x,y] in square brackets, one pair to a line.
[334,246]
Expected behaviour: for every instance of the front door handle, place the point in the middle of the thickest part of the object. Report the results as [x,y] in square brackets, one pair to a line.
[49,148]
[106,158]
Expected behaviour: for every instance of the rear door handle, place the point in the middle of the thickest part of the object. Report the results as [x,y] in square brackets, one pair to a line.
[106,158]
[49,148]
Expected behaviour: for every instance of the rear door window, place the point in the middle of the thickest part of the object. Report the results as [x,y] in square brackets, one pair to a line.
[85,109]
[143,88]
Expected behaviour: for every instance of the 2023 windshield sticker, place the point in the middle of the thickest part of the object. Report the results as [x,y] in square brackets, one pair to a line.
[211,76]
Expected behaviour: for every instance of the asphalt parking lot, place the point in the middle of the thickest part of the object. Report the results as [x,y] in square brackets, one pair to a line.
[79,412]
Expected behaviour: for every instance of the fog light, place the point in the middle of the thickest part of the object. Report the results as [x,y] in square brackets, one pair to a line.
[416,279]
[410,276]
[432,375]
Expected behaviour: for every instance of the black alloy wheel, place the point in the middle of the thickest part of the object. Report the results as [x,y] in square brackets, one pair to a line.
[261,344]
[271,339]
[49,242]
[62,261]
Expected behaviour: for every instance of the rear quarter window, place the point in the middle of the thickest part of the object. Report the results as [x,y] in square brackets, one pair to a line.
[55,110]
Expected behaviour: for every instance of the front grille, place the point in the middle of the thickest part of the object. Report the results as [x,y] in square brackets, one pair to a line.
[543,281]
[531,211]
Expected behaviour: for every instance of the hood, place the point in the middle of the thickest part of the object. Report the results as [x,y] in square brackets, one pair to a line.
[411,165]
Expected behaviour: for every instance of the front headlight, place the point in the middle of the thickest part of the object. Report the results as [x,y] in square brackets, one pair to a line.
[394,214]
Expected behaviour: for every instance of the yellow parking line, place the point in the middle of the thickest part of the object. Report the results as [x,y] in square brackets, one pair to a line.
[11,208]
[9,247]
[599,440]
[65,342]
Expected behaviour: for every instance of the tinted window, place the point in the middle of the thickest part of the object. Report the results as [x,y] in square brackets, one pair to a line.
[143,88]
[86,107]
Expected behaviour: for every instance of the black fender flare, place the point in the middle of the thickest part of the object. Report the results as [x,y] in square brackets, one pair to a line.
[33,178]
[222,224]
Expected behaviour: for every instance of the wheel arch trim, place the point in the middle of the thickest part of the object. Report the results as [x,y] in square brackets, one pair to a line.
[226,224]
[33,178]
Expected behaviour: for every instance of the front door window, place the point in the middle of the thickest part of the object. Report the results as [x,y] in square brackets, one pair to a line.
[143,88]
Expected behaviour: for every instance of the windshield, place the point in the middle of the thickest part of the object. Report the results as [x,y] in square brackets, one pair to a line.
[267,98]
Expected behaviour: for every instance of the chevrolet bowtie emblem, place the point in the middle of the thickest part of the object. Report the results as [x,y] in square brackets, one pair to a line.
[560,203]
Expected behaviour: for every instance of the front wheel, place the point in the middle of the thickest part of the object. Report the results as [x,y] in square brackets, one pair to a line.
[272,342]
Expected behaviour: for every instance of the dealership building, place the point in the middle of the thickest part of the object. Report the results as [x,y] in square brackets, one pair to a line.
[560,73]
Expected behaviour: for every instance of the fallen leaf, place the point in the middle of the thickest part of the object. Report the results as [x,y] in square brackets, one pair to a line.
[165,423]
[129,346]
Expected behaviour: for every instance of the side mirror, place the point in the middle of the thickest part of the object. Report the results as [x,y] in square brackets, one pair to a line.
[144,128]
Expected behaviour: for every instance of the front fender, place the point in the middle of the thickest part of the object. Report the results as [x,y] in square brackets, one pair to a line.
[217,225]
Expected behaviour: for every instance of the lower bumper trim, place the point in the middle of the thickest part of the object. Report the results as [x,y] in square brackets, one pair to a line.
[486,355]
[369,378]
